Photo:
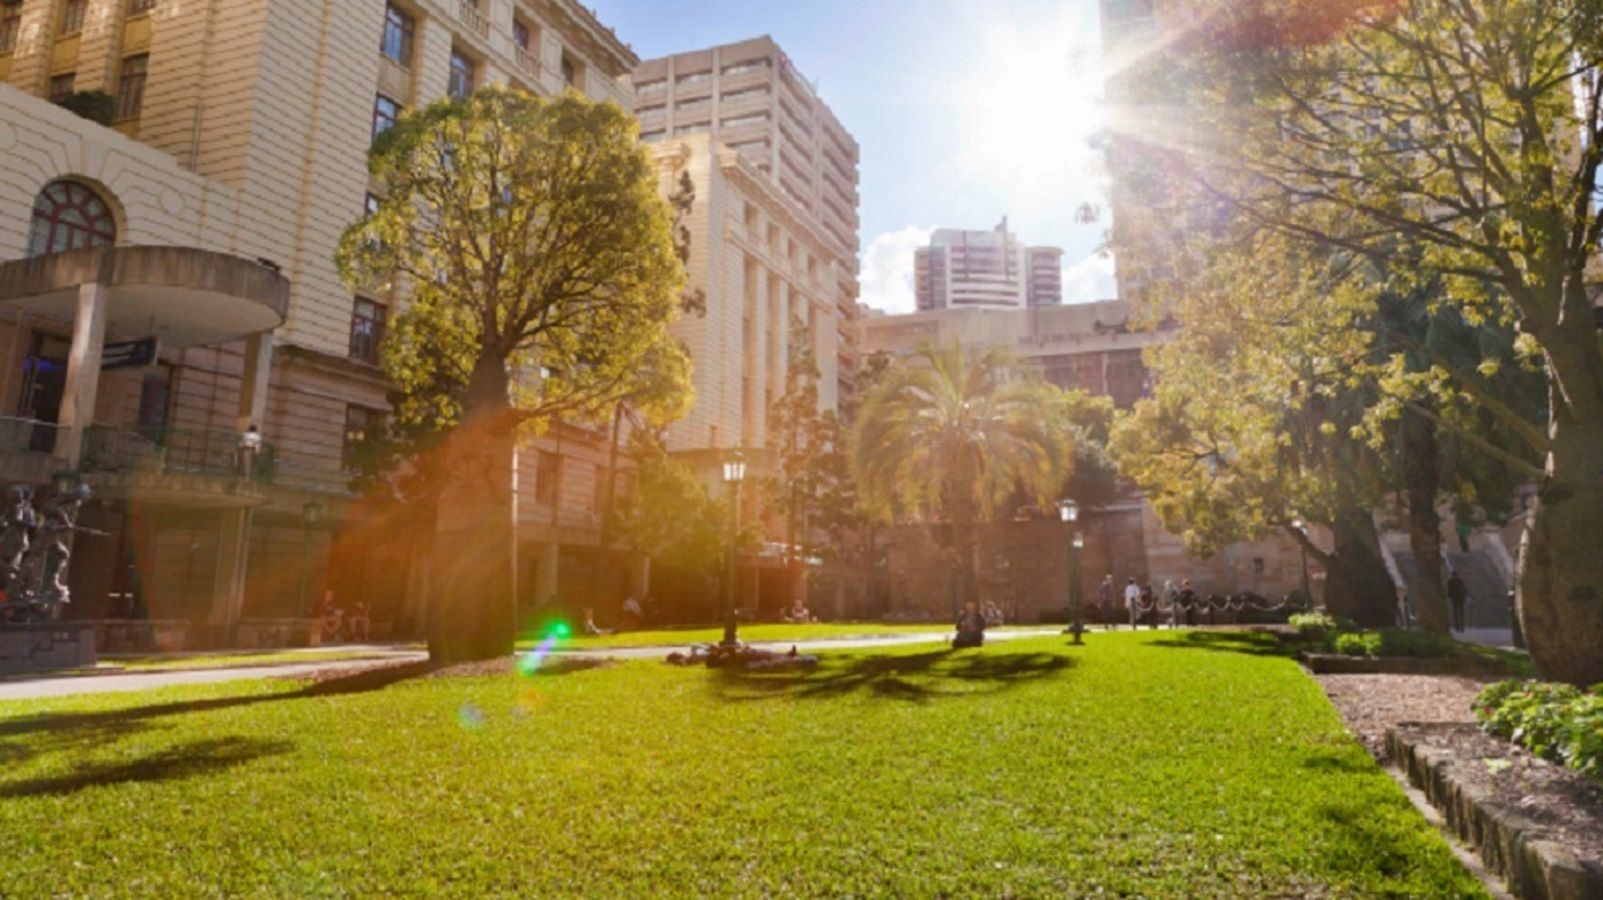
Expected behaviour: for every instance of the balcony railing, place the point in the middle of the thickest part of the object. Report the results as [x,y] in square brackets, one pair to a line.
[468,12]
[526,62]
[113,448]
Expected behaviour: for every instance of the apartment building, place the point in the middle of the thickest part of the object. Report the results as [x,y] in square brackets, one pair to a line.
[749,97]
[167,284]
[985,270]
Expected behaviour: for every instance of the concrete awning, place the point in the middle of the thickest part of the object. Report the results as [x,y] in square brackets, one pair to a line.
[182,295]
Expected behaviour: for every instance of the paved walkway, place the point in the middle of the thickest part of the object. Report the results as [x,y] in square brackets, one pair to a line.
[62,686]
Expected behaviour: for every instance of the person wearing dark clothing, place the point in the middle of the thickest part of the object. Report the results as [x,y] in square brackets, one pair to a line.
[1458,596]
[1104,599]
[970,627]
[1188,601]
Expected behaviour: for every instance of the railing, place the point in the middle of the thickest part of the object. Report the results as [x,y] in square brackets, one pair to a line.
[526,62]
[113,448]
[468,12]
[27,435]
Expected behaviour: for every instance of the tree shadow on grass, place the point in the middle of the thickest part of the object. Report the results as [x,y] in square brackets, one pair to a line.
[1252,643]
[202,757]
[916,677]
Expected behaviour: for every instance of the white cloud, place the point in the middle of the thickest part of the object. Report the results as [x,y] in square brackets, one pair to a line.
[886,282]
[1090,279]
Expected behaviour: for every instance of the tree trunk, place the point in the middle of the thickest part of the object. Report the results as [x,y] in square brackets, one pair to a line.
[474,609]
[1560,577]
[1358,586]
[1421,480]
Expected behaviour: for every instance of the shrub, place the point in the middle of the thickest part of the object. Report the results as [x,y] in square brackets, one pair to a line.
[1356,643]
[1559,722]
[96,106]
[1312,623]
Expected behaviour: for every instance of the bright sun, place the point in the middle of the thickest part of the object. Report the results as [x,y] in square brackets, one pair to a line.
[1031,112]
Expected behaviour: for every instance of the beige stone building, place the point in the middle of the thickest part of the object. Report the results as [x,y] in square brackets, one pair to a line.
[205,217]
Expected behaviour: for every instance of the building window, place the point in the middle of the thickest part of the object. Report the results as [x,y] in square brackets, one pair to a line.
[385,112]
[61,86]
[371,205]
[68,215]
[10,24]
[367,329]
[522,35]
[398,32]
[461,83]
[741,68]
[140,7]
[72,17]
[361,425]
[694,78]
[131,86]
[693,128]
[652,135]
[547,472]
[651,87]
[570,72]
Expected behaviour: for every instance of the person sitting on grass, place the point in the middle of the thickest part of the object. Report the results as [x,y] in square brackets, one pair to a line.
[798,614]
[970,627]
[633,615]
[589,626]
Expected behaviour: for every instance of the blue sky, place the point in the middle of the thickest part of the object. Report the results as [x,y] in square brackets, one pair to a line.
[965,111]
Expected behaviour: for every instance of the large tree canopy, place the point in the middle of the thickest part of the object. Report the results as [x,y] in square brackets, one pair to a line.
[540,276]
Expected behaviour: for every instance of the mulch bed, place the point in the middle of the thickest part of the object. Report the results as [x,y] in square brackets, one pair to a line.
[1434,711]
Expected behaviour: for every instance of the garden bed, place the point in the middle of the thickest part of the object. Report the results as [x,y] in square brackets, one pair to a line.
[1538,825]
[1341,664]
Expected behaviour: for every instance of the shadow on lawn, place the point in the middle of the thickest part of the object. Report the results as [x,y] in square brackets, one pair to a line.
[1252,643]
[917,677]
[185,761]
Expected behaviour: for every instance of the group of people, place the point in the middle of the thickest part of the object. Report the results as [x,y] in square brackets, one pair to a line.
[338,626]
[1176,605]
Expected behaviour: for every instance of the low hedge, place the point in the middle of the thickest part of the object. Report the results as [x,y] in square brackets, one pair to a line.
[1559,722]
[1392,642]
[1312,624]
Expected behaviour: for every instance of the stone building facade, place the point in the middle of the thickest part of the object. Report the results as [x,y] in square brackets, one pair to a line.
[235,157]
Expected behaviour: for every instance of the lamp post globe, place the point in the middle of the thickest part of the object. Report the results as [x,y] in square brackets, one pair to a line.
[734,472]
[1069,514]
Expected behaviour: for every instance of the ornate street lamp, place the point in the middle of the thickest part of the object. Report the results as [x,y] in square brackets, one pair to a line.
[734,474]
[1069,514]
[1302,546]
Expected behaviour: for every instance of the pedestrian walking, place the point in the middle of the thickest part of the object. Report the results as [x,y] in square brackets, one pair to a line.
[1149,606]
[1171,603]
[1104,599]
[1188,601]
[1458,596]
[1132,602]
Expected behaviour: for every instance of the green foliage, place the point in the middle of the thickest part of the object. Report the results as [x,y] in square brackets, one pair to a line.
[667,512]
[1140,765]
[1393,642]
[536,254]
[96,106]
[1559,722]
[948,435]
[1312,623]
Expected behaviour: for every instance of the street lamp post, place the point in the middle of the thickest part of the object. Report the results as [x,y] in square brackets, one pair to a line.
[734,474]
[1302,545]
[311,514]
[1069,514]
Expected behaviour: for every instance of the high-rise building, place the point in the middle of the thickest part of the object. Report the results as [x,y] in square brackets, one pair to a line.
[167,282]
[774,228]
[985,270]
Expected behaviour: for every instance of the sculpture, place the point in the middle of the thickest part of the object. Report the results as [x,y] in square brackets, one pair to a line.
[35,549]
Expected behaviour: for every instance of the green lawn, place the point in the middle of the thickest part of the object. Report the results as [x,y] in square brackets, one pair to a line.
[1159,764]
[763,631]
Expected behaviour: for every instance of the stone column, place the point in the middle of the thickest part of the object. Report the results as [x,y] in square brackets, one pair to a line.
[83,373]
[228,579]
[545,572]
[253,380]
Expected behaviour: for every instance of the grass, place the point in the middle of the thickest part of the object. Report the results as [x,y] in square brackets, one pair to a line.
[759,632]
[161,663]
[1162,764]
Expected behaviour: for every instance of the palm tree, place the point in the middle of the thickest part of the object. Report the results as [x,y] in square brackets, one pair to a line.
[948,436]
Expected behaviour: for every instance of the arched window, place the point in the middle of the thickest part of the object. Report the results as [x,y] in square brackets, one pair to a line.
[68,215]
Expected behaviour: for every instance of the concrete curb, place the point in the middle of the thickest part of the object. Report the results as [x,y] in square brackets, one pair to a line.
[1509,844]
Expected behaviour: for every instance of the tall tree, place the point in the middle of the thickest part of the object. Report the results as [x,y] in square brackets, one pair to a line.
[1462,138]
[541,278]
[949,435]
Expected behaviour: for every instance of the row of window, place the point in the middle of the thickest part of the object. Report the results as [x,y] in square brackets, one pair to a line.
[691,79]
[130,86]
[71,22]
[399,39]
